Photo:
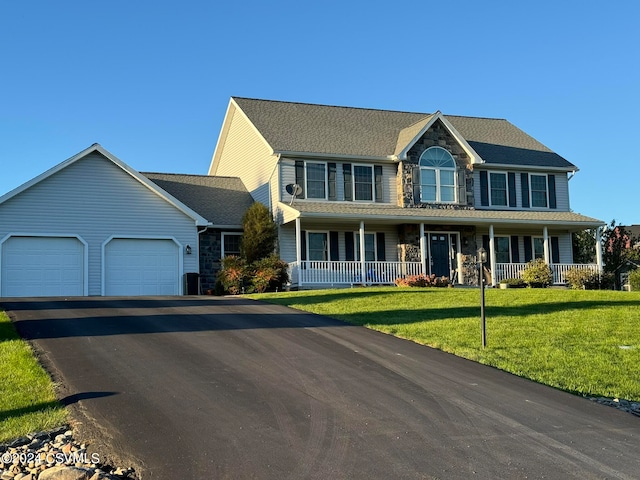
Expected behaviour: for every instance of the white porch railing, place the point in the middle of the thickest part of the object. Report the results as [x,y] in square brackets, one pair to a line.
[560,269]
[514,270]
[311,272]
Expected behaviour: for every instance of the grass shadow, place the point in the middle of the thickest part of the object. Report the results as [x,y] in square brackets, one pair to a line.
[38,407]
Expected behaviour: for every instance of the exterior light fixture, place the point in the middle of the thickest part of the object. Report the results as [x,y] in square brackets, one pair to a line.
[188,249]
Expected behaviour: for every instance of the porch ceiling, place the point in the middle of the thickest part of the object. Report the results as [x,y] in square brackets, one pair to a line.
[338,212]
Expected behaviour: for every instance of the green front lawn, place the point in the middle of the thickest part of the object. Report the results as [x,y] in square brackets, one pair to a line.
[27,398]
[585,342]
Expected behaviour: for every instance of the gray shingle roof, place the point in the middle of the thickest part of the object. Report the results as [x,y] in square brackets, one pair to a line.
[303,127]
[500,142]
[385,212]
[221,200]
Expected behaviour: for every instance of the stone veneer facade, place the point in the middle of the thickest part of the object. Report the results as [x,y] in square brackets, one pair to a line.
[210,256]
[409,234]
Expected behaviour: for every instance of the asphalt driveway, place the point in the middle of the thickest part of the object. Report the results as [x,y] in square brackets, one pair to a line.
[202,387]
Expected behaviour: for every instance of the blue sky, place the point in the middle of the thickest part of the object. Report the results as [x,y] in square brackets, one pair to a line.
[150,80]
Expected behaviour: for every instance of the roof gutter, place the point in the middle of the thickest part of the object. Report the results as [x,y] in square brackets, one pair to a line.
[338,156]
[504,166]
[455,220]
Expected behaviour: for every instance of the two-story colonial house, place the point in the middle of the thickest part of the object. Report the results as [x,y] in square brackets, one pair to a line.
[367,196]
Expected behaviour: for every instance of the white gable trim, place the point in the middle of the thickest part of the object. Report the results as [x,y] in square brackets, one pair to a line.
[475,158]
[232,108]
[199,220]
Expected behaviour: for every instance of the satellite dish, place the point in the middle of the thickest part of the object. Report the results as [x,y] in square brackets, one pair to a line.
[294,190]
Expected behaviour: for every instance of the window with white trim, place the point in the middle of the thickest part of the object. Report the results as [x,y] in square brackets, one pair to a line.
[231,244]
[317,246]
[503,249]
[538,190]
[370,250]
[498,190]
[363,182]
[538,247]
[437,176]
[316,180]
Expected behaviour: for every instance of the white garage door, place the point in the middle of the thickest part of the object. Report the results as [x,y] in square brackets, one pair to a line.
[42,267]
[135,266]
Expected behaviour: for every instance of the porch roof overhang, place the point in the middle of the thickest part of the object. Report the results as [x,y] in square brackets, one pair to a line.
[338,212]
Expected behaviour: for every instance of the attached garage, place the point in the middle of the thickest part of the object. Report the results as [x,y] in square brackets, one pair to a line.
[141,266]
[36,266]
[92,225]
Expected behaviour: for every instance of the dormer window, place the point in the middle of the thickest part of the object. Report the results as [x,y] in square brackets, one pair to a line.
[437,176]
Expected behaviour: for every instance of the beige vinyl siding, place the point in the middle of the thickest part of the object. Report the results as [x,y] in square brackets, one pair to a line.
[565,246]
[389,187]
[476,190]
[95,199]
[287,238]
[287,242]
[562,192]
[287,176]
[246,155]
[564,241]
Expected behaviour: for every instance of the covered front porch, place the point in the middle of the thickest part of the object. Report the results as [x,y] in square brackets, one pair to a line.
[394,249]
[315,273]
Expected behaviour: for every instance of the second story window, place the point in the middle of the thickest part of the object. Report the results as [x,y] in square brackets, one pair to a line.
[498,188]
[437,176]
[538,187]
[316,174]
[363,182]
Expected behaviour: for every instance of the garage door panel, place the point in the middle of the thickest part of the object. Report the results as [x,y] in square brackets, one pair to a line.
[141,267]
[42,266]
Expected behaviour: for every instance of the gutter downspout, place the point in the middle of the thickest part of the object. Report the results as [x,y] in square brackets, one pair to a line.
[269,182]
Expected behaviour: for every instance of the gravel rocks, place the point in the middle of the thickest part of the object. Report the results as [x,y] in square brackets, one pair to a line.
[620,404]
[54,455]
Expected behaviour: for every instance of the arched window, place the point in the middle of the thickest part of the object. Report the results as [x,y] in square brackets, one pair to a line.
[437,176]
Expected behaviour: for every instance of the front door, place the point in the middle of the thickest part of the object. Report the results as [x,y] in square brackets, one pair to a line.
[439,249]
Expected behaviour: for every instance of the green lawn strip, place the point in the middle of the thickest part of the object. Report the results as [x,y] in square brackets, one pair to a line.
[584,342]
[27,398]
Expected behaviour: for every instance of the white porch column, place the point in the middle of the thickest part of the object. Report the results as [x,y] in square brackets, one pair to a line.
[547,257]
[423,249]
[299,250]
[363,268]
[492,255]
[599,251]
